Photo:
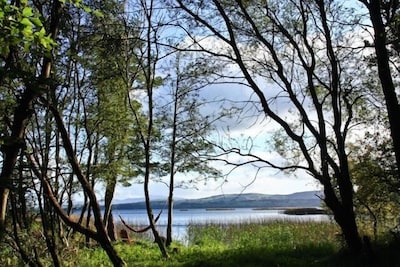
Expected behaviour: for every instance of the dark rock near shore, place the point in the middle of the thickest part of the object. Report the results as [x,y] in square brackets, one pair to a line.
[304,211]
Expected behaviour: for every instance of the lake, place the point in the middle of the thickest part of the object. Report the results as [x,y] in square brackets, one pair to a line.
[182,218]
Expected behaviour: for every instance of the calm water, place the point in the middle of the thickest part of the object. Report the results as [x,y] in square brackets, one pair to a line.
[182,218]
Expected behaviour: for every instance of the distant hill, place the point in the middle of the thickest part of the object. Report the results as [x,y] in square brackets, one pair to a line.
[250,200]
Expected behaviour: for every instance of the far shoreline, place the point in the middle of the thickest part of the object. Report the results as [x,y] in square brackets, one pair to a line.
[218,209]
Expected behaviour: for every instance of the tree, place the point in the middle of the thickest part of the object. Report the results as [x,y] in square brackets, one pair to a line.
[34,86]
[374,172]
[377,11]
[110,110]
[48,97]
[300,47]
[375,201]
[145,82]
[100,235]
[185,130]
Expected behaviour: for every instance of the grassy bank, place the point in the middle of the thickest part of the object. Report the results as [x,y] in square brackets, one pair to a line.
[244,244]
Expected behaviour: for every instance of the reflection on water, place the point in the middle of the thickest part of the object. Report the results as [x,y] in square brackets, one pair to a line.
[182,218]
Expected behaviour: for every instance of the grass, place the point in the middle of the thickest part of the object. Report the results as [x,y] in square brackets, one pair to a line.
[272,244]
[244,244]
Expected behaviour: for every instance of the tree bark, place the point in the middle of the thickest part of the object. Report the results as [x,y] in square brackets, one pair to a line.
[345,218]
[157,238]
[108,218]
[4,192]
[172,167]
[170,217]
[111,227]
[385,75]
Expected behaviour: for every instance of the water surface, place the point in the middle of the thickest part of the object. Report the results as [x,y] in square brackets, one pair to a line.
[182,218]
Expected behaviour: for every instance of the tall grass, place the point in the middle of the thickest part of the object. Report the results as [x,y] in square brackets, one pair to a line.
[277,243]
[262,243]
[264,233]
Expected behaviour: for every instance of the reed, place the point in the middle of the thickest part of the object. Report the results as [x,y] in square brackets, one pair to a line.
[265,233]
[244,243]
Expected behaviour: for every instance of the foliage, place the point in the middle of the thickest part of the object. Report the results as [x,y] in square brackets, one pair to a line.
[110,108]
[185,128]
[373,170]
[21,26]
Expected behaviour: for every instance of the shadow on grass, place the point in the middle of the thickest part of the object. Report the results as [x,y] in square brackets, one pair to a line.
[304,256]
[385,255]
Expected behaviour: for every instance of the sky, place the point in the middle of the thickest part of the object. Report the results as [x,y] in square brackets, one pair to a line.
[270,184]
[243,127]
[245,179]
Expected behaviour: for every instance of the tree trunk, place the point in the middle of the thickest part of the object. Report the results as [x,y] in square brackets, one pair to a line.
[157,238]
[12,148]
[108,218]
[112,254]
[22,113]
[172,168]
[170,215]
[102,236]
[48,231]
[149,69]
[111,227]
[345,217]
[385,76]
[28,259]
[4,192]
[346,220]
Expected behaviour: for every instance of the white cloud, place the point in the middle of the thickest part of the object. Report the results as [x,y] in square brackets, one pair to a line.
[241,181]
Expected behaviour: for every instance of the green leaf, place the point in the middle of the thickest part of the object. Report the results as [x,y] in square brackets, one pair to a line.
[26,22]
[27,32]
[98,14]
[47,42]
[87,9]
[41,33]
[37,22]
[27,12]
[5,50]
[27,46]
